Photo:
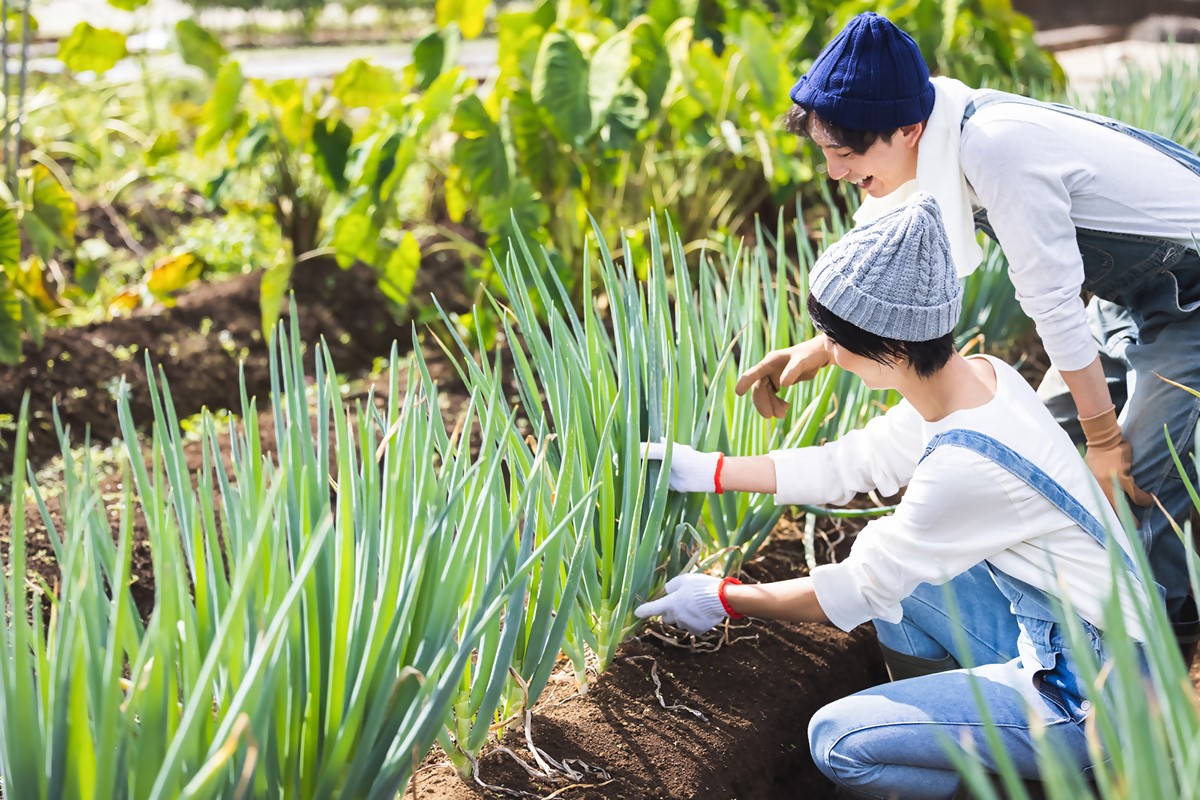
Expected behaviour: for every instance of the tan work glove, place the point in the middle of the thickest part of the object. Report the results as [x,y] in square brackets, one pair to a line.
[780,369]
[1108,455]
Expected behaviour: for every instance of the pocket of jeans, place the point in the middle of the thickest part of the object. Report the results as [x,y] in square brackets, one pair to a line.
[1097,264]
[1053,699]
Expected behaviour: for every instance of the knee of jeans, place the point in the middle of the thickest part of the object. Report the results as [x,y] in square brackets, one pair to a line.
[834,742]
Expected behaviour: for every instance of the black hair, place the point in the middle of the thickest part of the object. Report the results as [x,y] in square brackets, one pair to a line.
[926,358]
[799,120]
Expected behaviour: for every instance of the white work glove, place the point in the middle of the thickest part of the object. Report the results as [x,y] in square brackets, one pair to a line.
[691,602]
[691,470]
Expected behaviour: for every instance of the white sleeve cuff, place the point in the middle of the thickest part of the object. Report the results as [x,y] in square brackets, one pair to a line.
[840,599]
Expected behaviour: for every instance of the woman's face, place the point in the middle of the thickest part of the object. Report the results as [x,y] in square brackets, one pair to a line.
[872,373]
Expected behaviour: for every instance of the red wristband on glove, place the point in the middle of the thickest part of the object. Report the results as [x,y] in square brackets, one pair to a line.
[725,603]
[717,475]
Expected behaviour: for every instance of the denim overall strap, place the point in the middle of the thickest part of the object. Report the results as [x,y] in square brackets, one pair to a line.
[1030,473]
[1162,144]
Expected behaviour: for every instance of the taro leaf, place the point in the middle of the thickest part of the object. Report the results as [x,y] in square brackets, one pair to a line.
[272,291]
[89,49]
[665,12]
[479,150]
[10,323]
[354,235]
[173,273]
[469,14]
[436,102]
[400,271]
[198,47]
[519,36]
[432,55]
[610,65]
[125,301]
[220,112]
[363,84]
[522,202]
[253,144]
[651,64]
[50,220]
[560,86]
[757,43]
[10,238]
[35,325]
[540,154]
[332,151]
[127,5]
[29,279]
[626,118]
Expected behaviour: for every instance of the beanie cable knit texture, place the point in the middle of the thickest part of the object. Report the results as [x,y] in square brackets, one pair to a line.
[893,277]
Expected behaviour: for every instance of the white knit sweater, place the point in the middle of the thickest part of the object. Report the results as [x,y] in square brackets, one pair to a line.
[959,508]
[1040,174]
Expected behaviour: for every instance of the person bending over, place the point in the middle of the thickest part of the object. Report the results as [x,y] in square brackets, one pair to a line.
[997,498]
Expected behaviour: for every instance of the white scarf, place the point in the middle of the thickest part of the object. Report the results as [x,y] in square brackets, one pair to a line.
[940,174]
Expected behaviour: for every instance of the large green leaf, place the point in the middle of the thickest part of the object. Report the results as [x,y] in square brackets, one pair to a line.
[364,84]
[521,202]
[89,49]
[10,238]
[433,54]
[10,323]
[198,47]
[609,67]
[128,5]
[331,143]
[757,43]
[650,64]
[400,271]
[479,151]
[272,292]
[50,220]
[539,154]
[560,86]
[220,112]
[469,14]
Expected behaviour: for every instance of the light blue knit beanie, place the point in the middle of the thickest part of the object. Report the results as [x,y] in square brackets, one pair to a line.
[894,276]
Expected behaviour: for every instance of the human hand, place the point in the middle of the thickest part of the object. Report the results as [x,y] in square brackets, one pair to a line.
[1109,455]
[691,470]
[692,602]
[780,369]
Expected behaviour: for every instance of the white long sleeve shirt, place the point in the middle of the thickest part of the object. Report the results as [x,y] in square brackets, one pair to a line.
[959,509]
[1041,174]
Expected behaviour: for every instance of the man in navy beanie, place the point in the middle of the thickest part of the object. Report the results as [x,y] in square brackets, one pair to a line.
[1079,203]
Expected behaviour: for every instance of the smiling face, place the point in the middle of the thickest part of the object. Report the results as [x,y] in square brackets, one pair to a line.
[880,169]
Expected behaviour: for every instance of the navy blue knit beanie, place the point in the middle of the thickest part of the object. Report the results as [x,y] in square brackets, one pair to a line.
[871,77]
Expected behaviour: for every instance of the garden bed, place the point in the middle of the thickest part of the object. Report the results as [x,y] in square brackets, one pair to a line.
[755,692]
[724,724]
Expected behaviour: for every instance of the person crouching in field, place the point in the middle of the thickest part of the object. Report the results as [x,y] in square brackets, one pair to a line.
[998,502]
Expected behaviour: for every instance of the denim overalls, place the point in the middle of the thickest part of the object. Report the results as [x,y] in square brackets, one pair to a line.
[1033,610]
[1145,317]
[889,740]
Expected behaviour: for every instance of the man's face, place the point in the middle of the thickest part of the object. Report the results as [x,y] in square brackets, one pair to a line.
[883,168]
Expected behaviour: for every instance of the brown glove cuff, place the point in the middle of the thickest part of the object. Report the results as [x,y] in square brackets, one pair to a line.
[1102,430]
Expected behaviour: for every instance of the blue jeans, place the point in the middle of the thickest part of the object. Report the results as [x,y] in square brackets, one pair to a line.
[890,740]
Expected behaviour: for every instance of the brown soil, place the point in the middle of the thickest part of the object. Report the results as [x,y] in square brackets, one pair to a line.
[756,693]
[198,344]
